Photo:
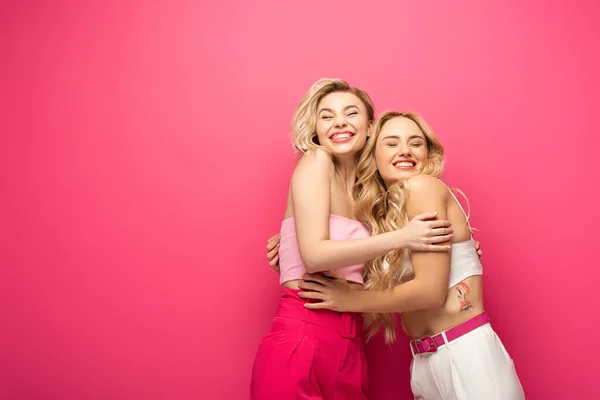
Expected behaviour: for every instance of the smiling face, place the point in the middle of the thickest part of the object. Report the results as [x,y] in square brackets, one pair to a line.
[401,150]
[329,106]
[343,123]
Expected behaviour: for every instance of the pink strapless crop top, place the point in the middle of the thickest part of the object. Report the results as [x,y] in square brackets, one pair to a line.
[340,228]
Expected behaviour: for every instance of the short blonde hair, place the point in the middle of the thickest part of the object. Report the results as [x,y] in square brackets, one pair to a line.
[304,123]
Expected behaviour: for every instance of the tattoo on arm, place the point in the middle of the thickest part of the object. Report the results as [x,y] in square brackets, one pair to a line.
[463,296]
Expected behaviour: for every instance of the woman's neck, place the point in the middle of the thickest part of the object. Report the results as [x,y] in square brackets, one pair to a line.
[346,172]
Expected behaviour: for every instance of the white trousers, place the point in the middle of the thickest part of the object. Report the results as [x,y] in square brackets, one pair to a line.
[474,366]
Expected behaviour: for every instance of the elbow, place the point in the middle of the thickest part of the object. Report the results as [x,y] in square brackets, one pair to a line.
[432,297]
[311,268]
[315,259]
[438,299]
[312,265]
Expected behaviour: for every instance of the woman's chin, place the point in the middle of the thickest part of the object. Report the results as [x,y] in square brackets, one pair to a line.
[397,176]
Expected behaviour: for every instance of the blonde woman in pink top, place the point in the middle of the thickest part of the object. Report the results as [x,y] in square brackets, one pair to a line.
[318,354]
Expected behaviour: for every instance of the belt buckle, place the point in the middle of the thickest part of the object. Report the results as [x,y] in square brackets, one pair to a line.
[430,342]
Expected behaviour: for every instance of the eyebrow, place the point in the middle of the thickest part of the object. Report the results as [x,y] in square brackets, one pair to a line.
[398,137]
[345,108]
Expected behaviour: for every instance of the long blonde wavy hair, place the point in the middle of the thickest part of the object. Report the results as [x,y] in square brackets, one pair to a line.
[382,209]
[304,122]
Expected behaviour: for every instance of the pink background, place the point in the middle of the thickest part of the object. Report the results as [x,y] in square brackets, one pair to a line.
[145,157]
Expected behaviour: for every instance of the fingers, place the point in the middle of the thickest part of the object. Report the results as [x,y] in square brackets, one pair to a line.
[310,286]
[334,275]
[317,306]
[478,249]
[316,278]
[425,216]
[274,261]
[437,248]
[440,239]
[441,231]
[272,245]
[312,295]
[442,223]
[273,242]
[273,252]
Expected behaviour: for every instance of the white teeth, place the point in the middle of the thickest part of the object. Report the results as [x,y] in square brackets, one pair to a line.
[341,136]
[403,164]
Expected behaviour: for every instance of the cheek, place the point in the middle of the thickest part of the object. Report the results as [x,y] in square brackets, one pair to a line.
[360,125]
[387,174]
[382,161]
[364,126]
[422,155]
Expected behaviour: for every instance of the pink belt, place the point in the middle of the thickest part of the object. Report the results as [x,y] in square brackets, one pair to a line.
[430,344]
